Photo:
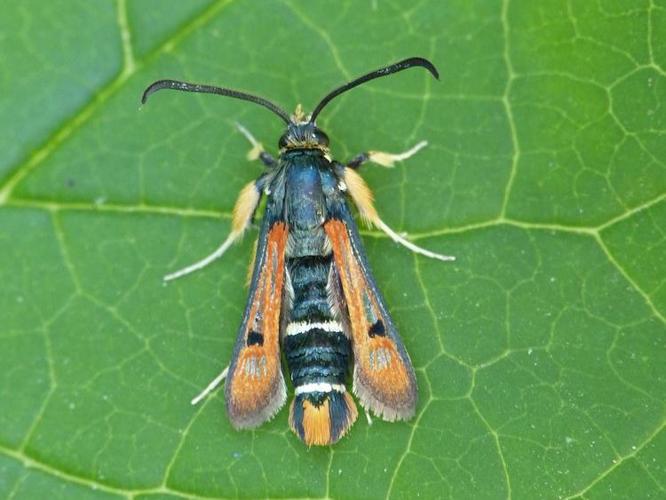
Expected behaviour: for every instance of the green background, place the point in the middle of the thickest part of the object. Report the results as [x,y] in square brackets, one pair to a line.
[540,352]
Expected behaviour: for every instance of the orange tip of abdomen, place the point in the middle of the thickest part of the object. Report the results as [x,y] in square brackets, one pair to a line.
[322,419]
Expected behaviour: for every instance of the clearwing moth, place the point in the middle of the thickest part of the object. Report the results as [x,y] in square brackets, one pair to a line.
[312,295]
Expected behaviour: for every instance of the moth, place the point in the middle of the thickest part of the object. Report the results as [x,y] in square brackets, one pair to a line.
[312,296]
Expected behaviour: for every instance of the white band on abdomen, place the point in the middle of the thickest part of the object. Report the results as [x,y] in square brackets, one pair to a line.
[299,327]
[319,387]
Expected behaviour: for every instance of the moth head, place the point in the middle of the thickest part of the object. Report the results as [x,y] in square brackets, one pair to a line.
[303,134]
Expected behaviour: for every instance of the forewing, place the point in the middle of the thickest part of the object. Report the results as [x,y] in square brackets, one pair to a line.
[384,379]
[255,388]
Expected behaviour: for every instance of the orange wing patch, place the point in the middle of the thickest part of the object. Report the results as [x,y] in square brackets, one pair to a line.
[255,388]
[384,379]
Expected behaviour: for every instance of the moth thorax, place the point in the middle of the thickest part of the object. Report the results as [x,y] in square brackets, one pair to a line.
[306,243]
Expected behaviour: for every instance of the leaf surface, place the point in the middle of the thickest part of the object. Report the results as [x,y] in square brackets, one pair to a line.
[539,352]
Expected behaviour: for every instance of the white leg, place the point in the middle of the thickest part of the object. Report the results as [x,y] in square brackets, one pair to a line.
[388,159]
[206,260]
[362,196]
[367,416]
[406,243]
[210,387]
[257,147]
[245,206]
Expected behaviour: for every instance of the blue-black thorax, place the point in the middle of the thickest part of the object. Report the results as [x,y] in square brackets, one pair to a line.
[304,191]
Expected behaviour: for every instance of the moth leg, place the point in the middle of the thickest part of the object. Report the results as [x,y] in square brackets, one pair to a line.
[384,159]
[367,415]
[257,152]
[211,387]
[362,196]
[242,216]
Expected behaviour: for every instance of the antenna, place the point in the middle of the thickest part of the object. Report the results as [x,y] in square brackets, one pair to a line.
[210,89]
[388,70]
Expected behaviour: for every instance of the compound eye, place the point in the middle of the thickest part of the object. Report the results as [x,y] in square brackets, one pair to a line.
[321,137]
[282,143]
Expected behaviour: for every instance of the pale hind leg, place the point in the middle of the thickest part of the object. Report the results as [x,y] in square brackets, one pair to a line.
[242,216]
[362,196]
[211,386]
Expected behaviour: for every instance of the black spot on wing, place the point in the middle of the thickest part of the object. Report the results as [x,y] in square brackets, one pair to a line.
[377,329]
[255,338]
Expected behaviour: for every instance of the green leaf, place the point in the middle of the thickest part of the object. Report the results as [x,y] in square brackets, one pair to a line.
[540,352]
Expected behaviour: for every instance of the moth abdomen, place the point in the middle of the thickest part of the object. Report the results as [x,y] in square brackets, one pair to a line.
[318,355]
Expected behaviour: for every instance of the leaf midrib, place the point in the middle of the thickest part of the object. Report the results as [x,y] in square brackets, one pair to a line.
[130,67]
